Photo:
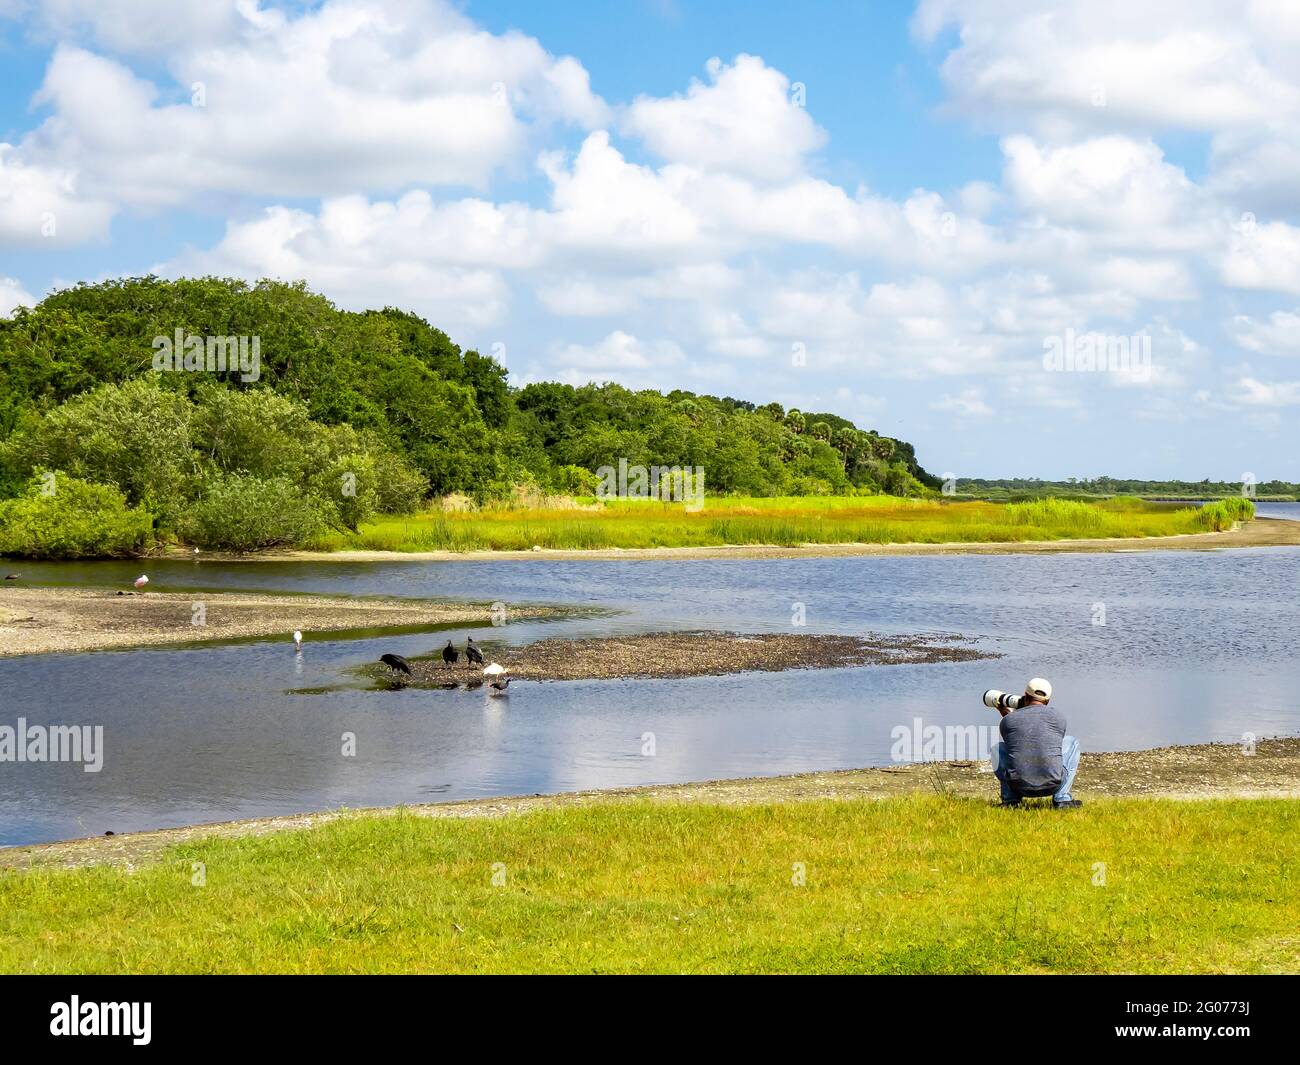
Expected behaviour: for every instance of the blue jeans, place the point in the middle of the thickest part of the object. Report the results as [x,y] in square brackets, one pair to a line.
[1069,766]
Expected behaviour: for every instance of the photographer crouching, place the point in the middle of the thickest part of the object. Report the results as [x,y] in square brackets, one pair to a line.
[1035,758]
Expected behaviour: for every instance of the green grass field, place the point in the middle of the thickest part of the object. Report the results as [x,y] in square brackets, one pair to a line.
[783,522]
[921,884]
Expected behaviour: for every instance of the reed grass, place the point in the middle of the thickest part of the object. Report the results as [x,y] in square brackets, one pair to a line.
[591,524]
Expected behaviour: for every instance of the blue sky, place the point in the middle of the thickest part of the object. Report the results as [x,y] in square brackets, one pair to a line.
[871,61]
[888,211]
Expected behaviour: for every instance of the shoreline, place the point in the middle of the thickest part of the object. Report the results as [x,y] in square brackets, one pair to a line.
[36,621]
[1190,772]
[1260,532]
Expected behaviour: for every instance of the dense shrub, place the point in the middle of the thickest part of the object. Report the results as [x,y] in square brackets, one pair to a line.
[239,512]
[346,490]
[808,486]
[574,481]
[58,516]
[170,453]
[255,432]
[135,437]
[400,487]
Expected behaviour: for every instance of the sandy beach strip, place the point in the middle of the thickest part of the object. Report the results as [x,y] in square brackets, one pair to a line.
[46,620]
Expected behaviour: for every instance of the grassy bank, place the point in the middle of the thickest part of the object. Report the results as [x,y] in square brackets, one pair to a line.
[781,522]
[916,884]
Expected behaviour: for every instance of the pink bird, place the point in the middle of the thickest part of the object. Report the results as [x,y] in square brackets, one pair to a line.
[141,581]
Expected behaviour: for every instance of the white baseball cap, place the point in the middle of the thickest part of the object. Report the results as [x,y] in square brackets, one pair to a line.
[1039,688]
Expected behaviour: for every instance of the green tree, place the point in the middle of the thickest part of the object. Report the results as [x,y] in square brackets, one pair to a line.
[135,436]
[384,386]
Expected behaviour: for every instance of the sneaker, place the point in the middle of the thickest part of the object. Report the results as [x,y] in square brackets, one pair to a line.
[1011,802]
[1069,804]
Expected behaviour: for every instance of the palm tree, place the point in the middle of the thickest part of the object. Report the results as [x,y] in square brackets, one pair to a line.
[689,408]
[846,442]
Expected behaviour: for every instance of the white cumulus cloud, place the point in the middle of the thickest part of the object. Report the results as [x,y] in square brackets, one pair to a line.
[13,295]
[747,120]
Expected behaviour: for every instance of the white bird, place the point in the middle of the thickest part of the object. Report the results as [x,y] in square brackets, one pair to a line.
[141,581]
[494,670]
[297,639]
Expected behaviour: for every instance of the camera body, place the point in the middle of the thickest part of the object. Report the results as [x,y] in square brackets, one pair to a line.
[996,700]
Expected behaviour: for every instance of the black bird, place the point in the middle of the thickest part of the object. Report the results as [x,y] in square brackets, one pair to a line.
[450,655]
[472,653]
[500,684]
[396,663]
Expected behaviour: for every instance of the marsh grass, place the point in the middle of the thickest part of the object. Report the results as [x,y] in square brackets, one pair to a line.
[921,884]
[786,522]
[1225,513]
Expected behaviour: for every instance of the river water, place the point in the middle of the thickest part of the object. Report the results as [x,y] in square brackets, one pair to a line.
[1143,648]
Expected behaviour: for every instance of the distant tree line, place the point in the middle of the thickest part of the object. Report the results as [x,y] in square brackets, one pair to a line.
[1027,487]
[348,414]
